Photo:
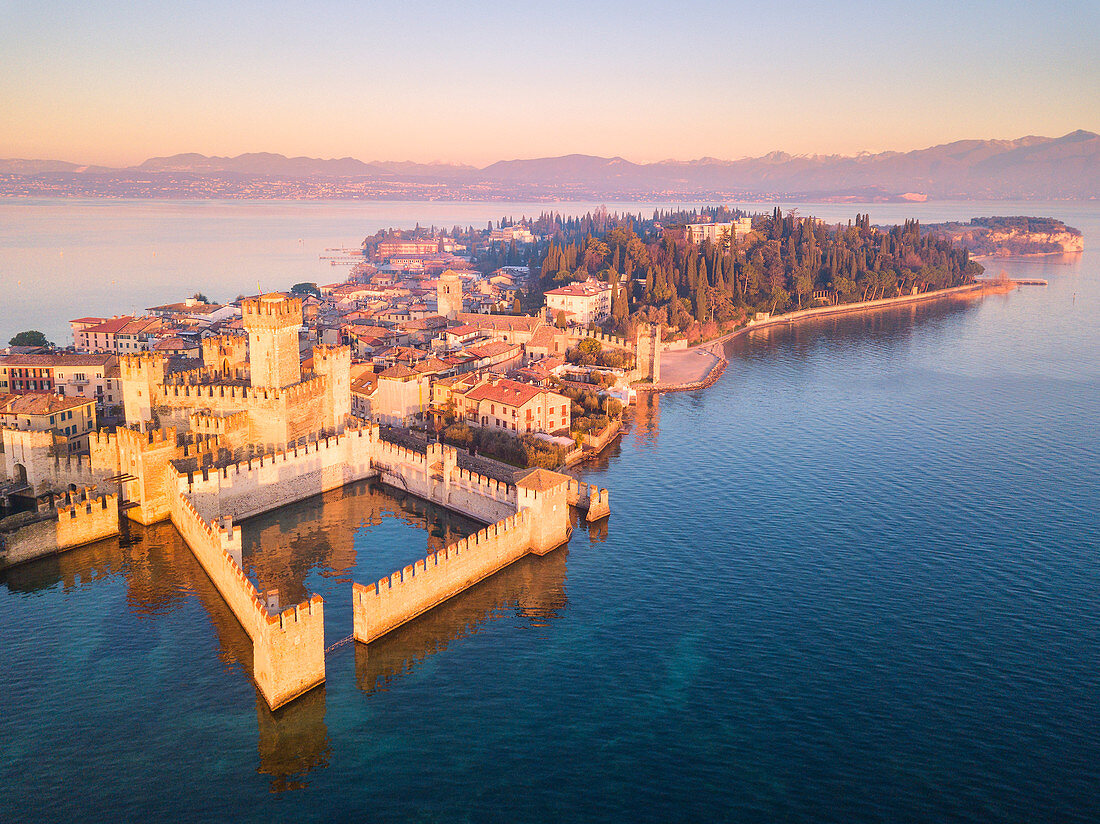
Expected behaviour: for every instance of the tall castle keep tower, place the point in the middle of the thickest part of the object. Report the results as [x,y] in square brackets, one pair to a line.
[272,322]
[448,292]
[142,374]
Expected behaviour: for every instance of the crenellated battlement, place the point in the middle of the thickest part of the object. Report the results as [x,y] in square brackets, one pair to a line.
[86,517]
[589,497]
[202,423]
[224,351]
[271,311]
[288,647]
[136,439]
[484,485]
[392,601]
[135,365]
[325,354]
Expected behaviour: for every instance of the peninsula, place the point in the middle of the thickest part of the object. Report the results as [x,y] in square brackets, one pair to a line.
[1011,236]
[422,370]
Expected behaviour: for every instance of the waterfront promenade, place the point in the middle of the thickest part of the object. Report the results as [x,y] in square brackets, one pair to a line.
[701,365]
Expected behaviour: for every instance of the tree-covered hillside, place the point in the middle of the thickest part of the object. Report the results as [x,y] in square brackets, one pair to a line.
[786,263]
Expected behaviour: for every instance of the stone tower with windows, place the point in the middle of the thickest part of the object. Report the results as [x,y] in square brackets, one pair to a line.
[272,322]
[448,293]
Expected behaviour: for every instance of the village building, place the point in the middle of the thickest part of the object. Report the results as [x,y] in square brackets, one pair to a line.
[402,396]
[69,419]
[581,303]
[362,394]
[717,232]
[511,406]
[180,347]
[94,376]
[507,234]
[508,328]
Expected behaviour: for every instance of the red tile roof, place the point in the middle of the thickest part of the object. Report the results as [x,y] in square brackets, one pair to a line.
[506,392]
[40,404]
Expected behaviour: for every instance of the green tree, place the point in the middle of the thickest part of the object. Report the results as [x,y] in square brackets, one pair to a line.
[517,307]
[559,321]
[305,288]
[200,297]
[589,349]
[32,337]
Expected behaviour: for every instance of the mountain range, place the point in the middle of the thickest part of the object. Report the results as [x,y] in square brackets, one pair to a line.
[1027,168]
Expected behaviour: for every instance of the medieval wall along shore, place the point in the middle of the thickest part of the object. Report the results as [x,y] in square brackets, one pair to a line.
[392,601]
[268,482]
[288,648]
[435,476]
[589,497]
[87,518]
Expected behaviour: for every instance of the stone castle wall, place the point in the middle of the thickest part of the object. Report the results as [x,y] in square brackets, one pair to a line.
[270,481]
[85,519]
[288,648]
[45,470]
[417,588]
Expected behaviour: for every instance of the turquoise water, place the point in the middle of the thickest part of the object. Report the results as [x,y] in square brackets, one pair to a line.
[855,580]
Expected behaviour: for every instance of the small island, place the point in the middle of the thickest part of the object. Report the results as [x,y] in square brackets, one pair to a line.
[1017,236]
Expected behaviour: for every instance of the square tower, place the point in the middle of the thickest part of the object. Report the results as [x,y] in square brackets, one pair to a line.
[648,352]
[448,293]
[273,322]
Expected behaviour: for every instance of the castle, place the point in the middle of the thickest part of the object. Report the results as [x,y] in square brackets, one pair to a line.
[244,433]
[263,401]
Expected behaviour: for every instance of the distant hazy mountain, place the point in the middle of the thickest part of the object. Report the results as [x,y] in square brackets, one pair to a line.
[257,163]
[265,164]
[35,167]
[1030,167]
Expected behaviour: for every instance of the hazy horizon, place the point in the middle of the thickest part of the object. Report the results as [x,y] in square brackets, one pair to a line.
[461,163]
[114,85]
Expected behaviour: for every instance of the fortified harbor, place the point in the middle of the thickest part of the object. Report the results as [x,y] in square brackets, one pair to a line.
[243,434]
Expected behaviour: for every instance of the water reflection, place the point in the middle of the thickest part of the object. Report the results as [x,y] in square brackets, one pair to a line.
[857,329]
[162,575]
[647,418]
[532,588]
[72,569]
[283,547]
[293,740]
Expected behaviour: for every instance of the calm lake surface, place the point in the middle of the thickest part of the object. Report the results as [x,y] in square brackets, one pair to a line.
[855,580]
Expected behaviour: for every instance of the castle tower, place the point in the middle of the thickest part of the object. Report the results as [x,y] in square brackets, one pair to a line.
[334,363]
[448,292]
[272,322]
[142,375]
[225,353]
[545,494]
[649,352]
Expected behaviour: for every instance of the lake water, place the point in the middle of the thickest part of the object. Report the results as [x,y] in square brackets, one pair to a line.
[855,580]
